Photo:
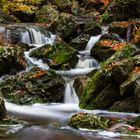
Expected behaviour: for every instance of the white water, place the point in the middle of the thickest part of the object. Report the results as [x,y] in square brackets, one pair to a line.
[70,94]
[34,37]
[33,112]
[86,62]
[93,40]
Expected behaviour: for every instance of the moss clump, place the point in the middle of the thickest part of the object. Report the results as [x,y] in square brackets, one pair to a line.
[89,121]
[57,55]
[94,86]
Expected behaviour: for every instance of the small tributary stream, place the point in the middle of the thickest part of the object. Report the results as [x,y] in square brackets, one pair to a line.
[49,121]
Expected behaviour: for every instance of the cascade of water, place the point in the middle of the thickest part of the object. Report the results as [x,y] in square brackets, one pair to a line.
[35,37]
[70,94]
[93,40]
[86,62]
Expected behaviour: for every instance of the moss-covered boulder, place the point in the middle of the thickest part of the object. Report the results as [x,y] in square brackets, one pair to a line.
[47,14]
[104,48]
[80,42]
[11,59]
[119,10]
[33,86]
[57,55]
[66,27]
[105,87]
[92,27]
[119,28]
[63,5]
[89,121]
[126,105]
[79,85]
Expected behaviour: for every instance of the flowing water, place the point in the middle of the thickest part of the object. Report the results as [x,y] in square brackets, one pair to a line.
[49,121]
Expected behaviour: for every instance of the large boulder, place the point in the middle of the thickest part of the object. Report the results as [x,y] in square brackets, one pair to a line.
[80,42]
[119,10]
[66,27]
[11,59]
[63,5]
[111,83]
[57,55]
[33,86]
[119,28]
[47,14]
[104,48]
[92,27]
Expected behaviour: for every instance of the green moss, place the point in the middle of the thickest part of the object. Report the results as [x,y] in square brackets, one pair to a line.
[89,121]
[95,84]
[57,55]
[124,53]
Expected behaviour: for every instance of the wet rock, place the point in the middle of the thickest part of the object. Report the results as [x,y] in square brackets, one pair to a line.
[105,48]
[57,55]
[79,85]
[34,86]
[66,27]
[119,28]
[120,10]
[24,46]
[80,42]
[15,34]
[47,14]
[63,5]
[92,5]
[111,36]
[92,28]
[11,59]
[89,121]
[122,70]
[96,83]
[126,105]
[107,85]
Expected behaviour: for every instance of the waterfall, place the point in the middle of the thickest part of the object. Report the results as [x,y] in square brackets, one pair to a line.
[86,62]
[93,40]
[37,39]
[34,37]
[70,94]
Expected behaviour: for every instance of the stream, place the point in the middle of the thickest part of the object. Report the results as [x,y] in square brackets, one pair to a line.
[49,121]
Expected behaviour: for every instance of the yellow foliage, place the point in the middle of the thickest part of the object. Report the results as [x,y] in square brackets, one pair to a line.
[23,5]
